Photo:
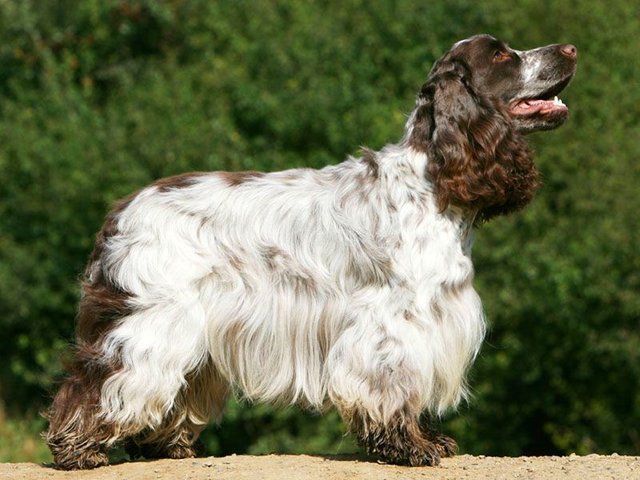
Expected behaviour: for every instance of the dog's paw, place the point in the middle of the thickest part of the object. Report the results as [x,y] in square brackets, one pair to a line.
[424,454]
[81,460]
[447,446]
[427,456]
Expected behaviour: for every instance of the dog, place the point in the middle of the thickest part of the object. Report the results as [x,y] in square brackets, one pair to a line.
[348,286]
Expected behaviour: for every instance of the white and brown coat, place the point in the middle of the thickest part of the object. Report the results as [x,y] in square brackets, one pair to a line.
[348,286]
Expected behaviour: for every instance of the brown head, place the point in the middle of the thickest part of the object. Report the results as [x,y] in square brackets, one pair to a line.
[479,100]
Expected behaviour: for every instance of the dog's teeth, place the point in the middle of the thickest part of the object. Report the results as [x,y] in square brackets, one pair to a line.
[557,101]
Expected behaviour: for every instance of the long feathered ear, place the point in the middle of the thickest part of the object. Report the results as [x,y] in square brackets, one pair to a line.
[476,158]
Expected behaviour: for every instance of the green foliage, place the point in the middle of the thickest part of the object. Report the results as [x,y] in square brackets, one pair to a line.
[20,440]
[99,98]
[262,429]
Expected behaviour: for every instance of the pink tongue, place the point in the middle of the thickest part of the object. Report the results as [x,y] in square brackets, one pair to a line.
[532,106]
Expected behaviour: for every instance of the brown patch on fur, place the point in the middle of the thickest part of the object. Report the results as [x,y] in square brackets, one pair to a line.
[102,303]
[423,125]
[234,179]
[402,441]
[234,257]
[287,270]
[408,316]
[178,181]
[102,300]
[369,157]
[274,257]
[377,271]
[436,309]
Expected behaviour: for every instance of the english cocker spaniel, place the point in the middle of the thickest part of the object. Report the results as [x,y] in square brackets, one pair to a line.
[349,286]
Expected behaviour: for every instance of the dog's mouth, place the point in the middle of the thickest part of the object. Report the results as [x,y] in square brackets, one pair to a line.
[545,103]
[538,105]
[540,111]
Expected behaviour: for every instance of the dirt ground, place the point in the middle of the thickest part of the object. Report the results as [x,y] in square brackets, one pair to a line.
[304,467]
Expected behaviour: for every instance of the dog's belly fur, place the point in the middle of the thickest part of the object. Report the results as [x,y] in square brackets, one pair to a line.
[302,287]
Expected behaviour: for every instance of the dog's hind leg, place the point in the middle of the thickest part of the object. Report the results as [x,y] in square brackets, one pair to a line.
[131,379]
[77,436]
[203,397]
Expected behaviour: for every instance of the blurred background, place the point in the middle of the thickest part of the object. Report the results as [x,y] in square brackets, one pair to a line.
[99,98]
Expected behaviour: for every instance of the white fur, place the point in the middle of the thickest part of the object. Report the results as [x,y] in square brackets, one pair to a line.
[303,286]
[531,66]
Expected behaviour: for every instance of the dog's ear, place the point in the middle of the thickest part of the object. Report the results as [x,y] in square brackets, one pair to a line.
[476,158]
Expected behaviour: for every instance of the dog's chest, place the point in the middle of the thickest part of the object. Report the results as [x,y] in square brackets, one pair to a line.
[432,251]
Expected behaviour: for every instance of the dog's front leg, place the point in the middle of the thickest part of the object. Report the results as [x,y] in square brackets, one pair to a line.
[380,379]
[398,440]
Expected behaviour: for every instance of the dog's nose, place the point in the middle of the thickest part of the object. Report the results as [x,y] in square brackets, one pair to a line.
[569,50]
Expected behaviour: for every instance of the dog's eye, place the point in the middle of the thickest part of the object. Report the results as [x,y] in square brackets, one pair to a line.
[501,56]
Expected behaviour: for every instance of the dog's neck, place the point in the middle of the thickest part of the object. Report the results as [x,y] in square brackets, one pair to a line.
[406,168]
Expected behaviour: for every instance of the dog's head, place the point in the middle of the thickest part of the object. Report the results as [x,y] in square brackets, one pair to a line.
[479,99]
[526,83]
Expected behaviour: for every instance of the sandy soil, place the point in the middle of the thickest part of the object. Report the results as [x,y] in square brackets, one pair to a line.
[286,467]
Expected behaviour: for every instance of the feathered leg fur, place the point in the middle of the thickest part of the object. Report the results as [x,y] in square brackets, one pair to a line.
[401,440]
[77,437]
[204,396]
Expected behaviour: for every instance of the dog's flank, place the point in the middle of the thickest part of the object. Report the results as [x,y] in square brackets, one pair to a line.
[348,286]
